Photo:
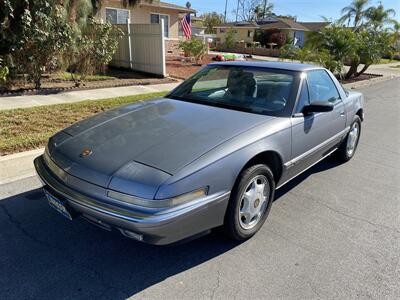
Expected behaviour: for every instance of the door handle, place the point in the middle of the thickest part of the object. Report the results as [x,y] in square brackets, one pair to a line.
[342,113]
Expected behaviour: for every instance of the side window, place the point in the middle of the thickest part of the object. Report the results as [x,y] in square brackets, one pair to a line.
[321,87]
[304,98]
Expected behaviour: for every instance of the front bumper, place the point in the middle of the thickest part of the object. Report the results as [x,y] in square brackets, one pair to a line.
[160,227]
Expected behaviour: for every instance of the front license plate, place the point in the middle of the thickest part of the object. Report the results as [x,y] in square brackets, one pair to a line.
[58,205]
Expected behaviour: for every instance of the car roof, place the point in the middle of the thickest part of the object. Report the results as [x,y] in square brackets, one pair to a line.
[290,66]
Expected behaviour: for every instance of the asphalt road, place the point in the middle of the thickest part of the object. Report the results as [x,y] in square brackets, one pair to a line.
[332,233]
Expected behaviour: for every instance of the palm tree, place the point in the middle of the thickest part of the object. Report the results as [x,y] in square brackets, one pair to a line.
[379,16]
[356,10]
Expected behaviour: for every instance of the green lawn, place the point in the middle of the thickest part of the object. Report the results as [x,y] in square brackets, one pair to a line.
[396,66]
[29,128]
[67,76]
[385,61]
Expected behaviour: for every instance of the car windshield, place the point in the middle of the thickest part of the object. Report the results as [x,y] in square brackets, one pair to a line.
[250,89]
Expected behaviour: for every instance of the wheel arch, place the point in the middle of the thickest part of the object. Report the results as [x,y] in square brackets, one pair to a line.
[270,158]
[360,113]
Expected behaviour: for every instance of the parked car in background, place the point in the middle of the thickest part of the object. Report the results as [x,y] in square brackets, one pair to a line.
[209,154]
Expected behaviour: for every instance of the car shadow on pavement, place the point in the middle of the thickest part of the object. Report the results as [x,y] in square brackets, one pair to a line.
[43,255]
[326,164]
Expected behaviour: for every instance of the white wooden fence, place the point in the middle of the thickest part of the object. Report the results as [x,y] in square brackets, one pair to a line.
[142,48]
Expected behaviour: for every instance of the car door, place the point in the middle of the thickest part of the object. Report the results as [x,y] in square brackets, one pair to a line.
[317,134]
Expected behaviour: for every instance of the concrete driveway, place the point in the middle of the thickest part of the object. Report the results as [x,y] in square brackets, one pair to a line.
[332,233]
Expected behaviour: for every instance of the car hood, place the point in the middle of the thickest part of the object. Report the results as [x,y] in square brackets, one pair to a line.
[146,142]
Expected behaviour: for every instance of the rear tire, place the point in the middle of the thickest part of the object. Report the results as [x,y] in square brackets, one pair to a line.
[250,202]
[349,145]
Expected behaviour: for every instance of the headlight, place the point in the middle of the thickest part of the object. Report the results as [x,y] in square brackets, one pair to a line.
[178,200]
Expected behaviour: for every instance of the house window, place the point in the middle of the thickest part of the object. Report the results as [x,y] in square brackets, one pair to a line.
[249,33]
[156,19]
[117,16]
[222,30]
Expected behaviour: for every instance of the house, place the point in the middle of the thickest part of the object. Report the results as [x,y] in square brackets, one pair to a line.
[315,26]
[243,31]
[198,27]
[199,31]
[147,12]
[297,31]
[293,29]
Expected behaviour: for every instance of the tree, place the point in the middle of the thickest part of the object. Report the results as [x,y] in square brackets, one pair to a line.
[11,13]
[188,5]
[44,37]
[77,12]
[369,48]
[230,39]
[92,49]
[252,10]
[378,16]
[396,35]
[263,11]
[355,11]
[335,46]
[331,48]
[211,20]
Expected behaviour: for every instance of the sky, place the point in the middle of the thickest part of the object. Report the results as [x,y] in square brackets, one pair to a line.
[305,10]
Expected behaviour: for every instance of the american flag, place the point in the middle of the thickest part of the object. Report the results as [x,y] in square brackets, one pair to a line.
[187,26]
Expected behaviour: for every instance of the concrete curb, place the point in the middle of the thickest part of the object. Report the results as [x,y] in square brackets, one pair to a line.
[18,166]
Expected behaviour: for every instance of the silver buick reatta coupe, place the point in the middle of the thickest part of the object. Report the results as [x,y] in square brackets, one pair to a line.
[211,153]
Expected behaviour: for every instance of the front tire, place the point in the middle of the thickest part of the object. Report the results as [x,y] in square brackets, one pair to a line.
[250,202]
[349,145]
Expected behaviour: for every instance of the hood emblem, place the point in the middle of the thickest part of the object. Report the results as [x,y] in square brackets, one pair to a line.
[86,152]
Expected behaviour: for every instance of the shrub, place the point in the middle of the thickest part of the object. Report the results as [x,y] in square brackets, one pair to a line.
[230,39]
[322,57]
[278,38]
[44,37]
[194,48]
[92,49]
[370,46]
[288,51]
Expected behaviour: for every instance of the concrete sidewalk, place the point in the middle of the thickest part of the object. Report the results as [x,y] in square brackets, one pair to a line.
[76,96]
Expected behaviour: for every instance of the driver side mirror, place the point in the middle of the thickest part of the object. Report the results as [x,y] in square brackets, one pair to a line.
[319,106]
